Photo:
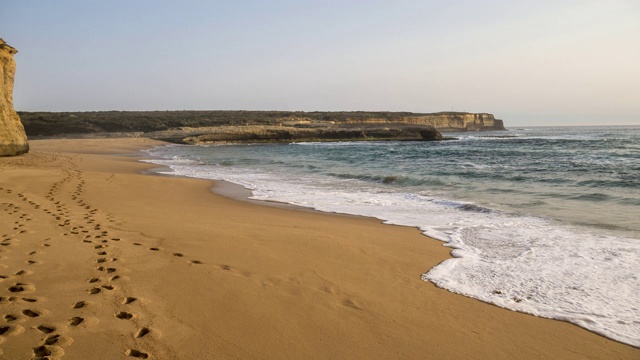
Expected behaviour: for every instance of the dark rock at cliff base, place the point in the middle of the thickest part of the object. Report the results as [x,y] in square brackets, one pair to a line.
[431,135]
[271,134]
[13,140]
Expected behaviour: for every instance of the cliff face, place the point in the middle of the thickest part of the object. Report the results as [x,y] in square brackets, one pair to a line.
[461,121]
[445,121]
[13,140]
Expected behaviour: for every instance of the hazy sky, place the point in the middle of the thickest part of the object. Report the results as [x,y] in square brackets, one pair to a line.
[527,62]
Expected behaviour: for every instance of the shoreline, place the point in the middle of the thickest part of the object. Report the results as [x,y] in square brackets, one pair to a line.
[240,193]
[230,190]
[250,282]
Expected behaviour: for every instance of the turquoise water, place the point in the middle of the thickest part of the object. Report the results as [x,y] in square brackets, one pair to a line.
[540,220]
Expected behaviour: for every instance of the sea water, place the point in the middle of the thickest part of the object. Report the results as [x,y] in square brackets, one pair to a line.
[544,221]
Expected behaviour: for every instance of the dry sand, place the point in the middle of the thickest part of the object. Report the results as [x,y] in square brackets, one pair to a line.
[99,261]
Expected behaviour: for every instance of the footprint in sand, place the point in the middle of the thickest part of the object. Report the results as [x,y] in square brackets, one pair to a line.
[142,332]
[195,262]
[10,330]
[45,352]
[30,313]
[129,300]
[75,321]
[136,354]
[48,351]
[46,329]
[20,287]
[123,315]
[79,304]
[94,291]
[178,254]
[52,340]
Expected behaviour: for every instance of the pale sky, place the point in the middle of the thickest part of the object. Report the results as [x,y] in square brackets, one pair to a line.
[527,62]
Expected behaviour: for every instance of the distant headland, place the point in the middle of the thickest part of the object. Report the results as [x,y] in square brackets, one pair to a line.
[217,126]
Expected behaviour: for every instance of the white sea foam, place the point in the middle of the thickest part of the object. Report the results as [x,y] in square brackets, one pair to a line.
[527,264]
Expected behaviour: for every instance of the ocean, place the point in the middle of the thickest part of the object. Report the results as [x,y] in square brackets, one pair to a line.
[541,220]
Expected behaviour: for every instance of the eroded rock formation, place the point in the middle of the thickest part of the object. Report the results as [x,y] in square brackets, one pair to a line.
[13,140]
[270,133]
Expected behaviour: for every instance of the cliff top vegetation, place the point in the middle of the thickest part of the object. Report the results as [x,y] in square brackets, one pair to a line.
[58,123]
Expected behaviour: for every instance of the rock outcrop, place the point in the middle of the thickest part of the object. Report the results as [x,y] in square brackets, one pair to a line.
[13,140]
[287,134]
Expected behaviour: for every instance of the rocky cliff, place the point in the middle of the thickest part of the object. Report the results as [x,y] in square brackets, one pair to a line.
[13,140]
[453,121]
[106,123]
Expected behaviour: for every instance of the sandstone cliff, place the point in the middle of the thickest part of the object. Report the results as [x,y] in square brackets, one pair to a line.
[453,121]
[13,140]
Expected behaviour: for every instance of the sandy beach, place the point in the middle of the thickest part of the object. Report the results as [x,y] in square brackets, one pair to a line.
[101,261]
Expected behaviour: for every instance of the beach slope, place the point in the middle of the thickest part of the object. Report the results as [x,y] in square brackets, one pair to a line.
[100,261]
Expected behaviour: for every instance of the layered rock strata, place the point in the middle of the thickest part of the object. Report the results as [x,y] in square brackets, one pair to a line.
[453,121]
[13,140]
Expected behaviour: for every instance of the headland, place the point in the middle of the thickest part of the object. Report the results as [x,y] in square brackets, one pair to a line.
[198,127]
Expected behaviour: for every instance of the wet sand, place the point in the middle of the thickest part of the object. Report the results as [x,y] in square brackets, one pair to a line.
[100,261]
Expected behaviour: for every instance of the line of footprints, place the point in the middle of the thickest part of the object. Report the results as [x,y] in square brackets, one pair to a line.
[90,232]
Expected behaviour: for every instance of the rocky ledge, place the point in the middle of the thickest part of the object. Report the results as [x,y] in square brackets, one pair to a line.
[271,134]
